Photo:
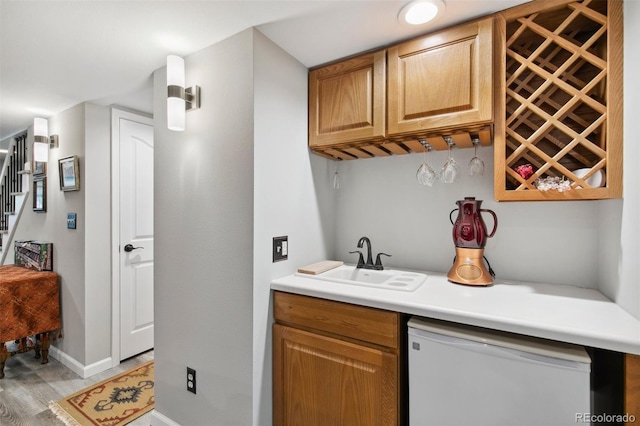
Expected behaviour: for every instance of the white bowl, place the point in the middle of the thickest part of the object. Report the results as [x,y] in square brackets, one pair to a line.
[596,180]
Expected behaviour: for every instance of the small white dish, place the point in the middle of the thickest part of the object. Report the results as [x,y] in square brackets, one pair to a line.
[595,181]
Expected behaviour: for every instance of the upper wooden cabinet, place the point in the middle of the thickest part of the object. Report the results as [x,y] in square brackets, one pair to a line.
[347,100]
[559,101]
[442,80]
[438,85]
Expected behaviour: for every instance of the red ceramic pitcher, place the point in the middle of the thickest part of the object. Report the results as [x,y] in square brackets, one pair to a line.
[469,230]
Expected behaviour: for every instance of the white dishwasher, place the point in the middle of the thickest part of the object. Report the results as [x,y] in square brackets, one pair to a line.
[462,375]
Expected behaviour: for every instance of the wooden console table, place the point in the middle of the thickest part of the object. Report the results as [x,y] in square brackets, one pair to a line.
[29,306]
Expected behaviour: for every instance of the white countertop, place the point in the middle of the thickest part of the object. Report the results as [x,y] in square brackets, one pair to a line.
[558,312]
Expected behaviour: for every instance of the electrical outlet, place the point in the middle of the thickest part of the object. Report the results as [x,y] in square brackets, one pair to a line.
[280,248]
[191,380]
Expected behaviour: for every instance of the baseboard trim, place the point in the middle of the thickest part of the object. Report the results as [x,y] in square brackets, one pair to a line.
[158,419]
[77,367]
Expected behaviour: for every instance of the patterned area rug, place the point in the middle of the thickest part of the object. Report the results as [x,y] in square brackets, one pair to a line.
[115,401]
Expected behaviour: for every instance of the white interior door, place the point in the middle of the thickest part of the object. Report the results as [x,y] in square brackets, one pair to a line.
[136,237]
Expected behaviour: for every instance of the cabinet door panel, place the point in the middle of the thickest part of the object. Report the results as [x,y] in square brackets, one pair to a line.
[632,385]
[442,80]
[323,381]
[425,99]
[346,100]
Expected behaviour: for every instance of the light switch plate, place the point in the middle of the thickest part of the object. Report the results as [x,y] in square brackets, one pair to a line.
[71,220]
[280,248]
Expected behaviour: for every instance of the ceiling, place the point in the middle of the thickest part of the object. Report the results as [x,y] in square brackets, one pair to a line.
[55,54]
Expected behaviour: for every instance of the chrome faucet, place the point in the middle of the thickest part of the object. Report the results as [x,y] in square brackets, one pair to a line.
[369,263]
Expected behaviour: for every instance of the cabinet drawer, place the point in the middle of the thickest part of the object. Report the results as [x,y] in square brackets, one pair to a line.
[357,322]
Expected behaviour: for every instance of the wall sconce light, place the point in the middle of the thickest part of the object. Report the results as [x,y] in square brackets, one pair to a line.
[420,12]
[42,141]
[179,99]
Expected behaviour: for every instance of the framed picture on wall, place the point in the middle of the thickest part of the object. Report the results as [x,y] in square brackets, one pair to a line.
[39,167]
[69,173]
[39,193]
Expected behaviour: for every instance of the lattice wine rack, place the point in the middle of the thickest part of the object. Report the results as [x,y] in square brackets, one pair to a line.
[561,98]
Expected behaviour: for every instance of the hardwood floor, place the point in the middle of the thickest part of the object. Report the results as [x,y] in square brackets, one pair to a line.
[28,386]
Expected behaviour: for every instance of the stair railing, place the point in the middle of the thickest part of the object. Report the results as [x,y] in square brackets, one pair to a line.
[11,182]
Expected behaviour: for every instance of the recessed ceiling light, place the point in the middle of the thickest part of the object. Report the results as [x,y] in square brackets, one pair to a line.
[420,12]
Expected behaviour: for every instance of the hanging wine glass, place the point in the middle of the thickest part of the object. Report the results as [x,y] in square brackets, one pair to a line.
[476,165]
[425,174]
[450,170]
[336,177]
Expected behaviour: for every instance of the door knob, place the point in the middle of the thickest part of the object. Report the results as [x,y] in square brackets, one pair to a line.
[129,248]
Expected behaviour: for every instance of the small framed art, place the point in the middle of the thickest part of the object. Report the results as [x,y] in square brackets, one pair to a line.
[69,173]
[39,168]
[39,193]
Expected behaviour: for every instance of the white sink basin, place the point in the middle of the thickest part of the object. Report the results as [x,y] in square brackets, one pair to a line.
[390,279]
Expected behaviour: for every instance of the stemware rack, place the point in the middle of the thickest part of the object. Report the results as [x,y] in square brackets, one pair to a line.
[406,144]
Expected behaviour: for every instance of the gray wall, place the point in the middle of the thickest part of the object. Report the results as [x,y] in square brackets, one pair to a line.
[204,241]
[81,256]
[583,243]
[68,246]
[540,241]
[238,176]
[291,196]
[618,227]
[97,236]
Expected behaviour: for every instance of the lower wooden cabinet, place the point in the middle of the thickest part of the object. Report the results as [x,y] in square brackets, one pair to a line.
[632,387]
[341,364]
[323,378]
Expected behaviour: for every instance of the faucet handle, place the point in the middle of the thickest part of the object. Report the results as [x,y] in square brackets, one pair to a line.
[378,264]
[360,258]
